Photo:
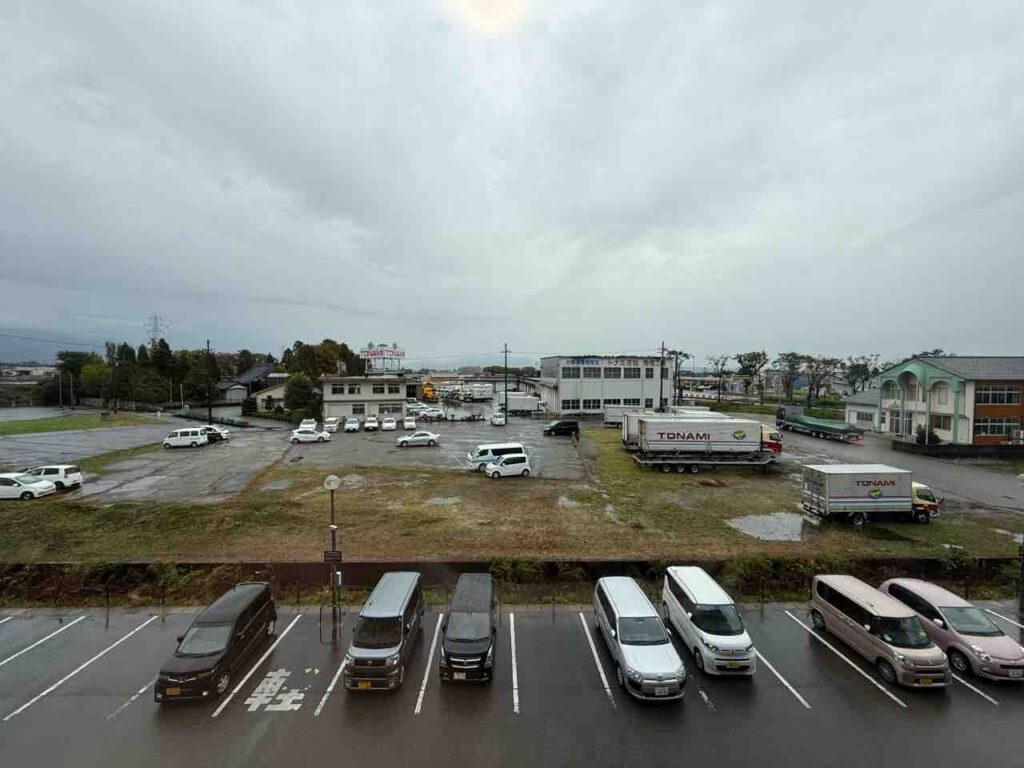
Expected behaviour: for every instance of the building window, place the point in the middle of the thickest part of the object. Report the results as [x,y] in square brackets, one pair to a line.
[570,405]
[911,392]
[354,389]
[631,401]
[649,373]
[613,401]
[613,373]
[649,402]
[389,408]
[378,389]
[358,409]
[997,394]
[631,373]
[337,389]
[942,394]
[591,373]
[942,422]
[998,427]
[394,389]
[571,372]
[866,416]
[664,373]
[591,405]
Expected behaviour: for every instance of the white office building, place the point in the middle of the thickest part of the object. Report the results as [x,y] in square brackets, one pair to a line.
[586,385]
[375,394]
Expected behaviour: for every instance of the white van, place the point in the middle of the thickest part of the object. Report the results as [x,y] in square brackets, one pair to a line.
[707,622]
[186,438]
[486,454]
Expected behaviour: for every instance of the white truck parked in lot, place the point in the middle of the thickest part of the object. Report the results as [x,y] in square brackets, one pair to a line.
[477,391]
[670,443]
[517,403]
[631,422]
[860,492]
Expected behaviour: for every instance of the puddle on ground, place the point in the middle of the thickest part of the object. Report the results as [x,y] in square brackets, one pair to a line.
[879,533]
[778,526]
[442,501]
[565,502]
[1017,537]
[276,485]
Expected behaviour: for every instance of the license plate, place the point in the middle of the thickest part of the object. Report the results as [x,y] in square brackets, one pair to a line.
[924,681]
[364,684]
[1017,673]
[172,692]
[458,675]
[661,690]
[732,665]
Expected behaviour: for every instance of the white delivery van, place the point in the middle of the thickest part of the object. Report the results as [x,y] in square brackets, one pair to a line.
[186,438]
[485,454]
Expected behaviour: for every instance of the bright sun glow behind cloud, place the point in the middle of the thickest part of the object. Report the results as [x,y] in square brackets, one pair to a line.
[489,17]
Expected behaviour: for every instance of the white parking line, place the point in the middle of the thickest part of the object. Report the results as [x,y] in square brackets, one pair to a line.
[5,619]
[64,679]
[430,663]
[1008,621]
[515,669]
[132,700]
[859,671]
[981,693]
[230,696]
[40,642]
[330,689]
[782,680]
[597,660]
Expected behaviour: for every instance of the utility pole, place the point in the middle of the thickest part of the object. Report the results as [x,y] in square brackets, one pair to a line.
[72,375]
[60,391]
[331,484]
[505,350]
[661,381]
[209,404]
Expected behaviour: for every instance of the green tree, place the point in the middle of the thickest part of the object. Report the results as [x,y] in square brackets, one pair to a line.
[298,392]
[790,366]
[94,379]
[72,363]
[720,365]
[820,371]
[751,365]
[142,356]
[243,362]
[860,370]
[163,359]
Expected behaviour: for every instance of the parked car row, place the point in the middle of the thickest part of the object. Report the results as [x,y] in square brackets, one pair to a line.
[498,460]
[35,482]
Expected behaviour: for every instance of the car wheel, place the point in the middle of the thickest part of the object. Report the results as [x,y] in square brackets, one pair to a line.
[921,516]
[295,441]
[818,621]
[404,444]
[166,446]
[858,519]
[319,439]
[886,671]
[526,473]
[495,476]
[223,681]
[60,485]
[958,661]
[271,626]
[26,496]
[698,658]
[401,676]
[431,443]
[619,677]
[194,444]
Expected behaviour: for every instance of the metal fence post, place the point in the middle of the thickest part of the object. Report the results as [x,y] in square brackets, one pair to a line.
[106,599]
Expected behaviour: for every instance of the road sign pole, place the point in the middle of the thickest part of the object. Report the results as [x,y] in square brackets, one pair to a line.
[334,576]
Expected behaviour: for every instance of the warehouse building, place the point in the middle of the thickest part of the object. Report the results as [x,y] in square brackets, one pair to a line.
[588,384]
[967,400]
[375,394]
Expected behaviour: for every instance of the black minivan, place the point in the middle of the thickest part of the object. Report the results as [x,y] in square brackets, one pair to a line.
[217,643]
[563,427]
[470,630]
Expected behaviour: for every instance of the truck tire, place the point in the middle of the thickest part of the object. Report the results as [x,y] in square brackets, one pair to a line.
[666,468]
[922,516]
[694,469]
[857,519]
[680,467]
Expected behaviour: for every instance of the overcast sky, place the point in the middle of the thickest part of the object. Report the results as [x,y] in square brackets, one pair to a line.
[828,177]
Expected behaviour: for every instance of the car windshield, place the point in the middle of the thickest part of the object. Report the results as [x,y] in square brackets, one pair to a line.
[204,640]
[28,479]
[925,495]
[718,619]
[468,627]
[970,621]
[646,630]
[377,633]
[902,633]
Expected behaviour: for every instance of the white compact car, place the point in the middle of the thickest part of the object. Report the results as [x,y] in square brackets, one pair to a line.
[509,465]
[498,419]
[418,438]
[14,485]
[309,436]
[61,475]
[351,424]
[186,438]
[215,434]
[431,413]
[409,422]
[307,424]
[331,424]
[371,424]
[707,622]
[388,425]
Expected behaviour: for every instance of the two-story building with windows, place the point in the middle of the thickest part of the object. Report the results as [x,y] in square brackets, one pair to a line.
[969,400]
[582,385]
[374,394]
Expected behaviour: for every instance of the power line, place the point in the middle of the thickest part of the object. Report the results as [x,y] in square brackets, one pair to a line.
[67,342]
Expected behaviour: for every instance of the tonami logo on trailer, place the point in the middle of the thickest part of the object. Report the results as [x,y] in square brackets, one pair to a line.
[876,483]
[684,436]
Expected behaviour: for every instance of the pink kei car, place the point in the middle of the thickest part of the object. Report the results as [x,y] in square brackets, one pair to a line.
[971,640]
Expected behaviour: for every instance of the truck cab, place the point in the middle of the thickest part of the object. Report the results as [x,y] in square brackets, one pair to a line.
[771,440]
[925,498]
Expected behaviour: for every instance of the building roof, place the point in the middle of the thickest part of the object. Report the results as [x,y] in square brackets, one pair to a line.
[265,390]
[867,397]
[254,372]
[978,367]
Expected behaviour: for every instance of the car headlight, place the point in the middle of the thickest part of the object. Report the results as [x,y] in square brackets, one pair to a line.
[709,646]
[392,660]
[634,674]
[681,672]
[489,661]
[348,661]
[981,653]
[905,662]
[749,648]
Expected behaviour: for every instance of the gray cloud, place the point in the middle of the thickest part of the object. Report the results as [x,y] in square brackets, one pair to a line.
[451,175]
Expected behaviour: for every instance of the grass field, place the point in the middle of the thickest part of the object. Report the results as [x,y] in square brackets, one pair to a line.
[620,511]
[75,422]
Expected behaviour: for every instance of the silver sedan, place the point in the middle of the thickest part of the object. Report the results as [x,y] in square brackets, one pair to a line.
[418,438]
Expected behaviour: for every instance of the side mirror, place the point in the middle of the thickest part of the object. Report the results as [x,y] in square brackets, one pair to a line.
[689,614]
[939,622]
[867,627]
[613,633]
[180,638]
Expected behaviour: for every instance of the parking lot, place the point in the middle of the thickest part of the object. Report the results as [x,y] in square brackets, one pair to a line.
[550,457]
[73,689]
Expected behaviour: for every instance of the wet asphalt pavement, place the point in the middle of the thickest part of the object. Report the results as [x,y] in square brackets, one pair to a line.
[80,693]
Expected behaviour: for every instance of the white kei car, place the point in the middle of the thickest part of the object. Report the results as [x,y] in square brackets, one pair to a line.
[15,485]
[419,438]
[61,475]
[371,424]
[509,465]
[310,436]
[388,425]
[331,424]
[409,422]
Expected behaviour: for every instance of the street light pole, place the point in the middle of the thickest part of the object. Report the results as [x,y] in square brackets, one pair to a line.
[332,483]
